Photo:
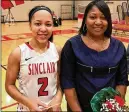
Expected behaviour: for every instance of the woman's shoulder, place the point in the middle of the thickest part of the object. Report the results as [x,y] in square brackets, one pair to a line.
[73,40]
[117,47]
[58,47]
[76,37]
[16,50]
[15,54]
[24,45]
[115,40]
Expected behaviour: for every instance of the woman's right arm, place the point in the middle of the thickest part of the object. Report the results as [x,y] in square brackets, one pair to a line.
[11,76]
[72,99]
[67,76]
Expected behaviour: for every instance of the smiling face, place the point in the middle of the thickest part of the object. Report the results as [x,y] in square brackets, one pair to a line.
[41,26]
[96,22]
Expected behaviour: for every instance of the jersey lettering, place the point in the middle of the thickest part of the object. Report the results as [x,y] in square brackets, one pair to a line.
[41,68]
[44,82]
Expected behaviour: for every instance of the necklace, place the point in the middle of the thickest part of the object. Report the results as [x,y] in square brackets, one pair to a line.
[103,45]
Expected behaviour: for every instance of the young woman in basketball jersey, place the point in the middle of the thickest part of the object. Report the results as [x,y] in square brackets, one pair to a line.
[36,66]
[92,60]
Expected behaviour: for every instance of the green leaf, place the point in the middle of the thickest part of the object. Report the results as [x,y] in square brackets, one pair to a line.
[101,96]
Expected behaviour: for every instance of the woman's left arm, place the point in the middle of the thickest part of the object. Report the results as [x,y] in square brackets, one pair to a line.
[122,89]
[122,77]
[56,101]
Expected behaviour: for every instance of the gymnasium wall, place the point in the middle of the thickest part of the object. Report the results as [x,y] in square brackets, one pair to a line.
[20,12]
[112,5]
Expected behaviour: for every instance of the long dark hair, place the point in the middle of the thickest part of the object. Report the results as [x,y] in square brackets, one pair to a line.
[37,8]
[103,7]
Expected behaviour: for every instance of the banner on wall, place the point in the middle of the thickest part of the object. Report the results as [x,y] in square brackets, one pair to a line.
[19,2]
[6,4]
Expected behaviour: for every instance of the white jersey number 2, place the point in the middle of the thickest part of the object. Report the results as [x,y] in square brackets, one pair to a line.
[44,82]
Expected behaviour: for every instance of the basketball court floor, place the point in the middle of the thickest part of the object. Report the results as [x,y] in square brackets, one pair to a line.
[19,33]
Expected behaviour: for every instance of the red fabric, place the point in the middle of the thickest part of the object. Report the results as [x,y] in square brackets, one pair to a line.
[6,4]
[122,22]
[19,2]
[115,22]
[29,45]
[120,100]
[109,105]
[80,16]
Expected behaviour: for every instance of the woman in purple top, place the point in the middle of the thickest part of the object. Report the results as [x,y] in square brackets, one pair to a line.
[92,59]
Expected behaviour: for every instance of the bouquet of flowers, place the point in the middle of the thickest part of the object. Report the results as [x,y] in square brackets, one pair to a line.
[108,100]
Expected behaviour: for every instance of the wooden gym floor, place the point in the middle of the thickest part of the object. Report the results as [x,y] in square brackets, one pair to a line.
[19,33]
